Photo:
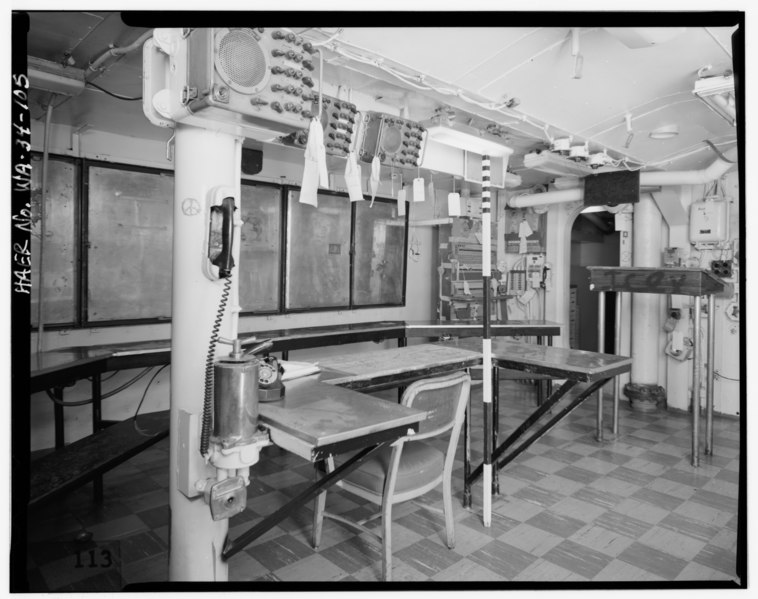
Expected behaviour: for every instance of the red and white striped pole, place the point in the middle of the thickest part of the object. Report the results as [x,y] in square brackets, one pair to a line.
[486,341]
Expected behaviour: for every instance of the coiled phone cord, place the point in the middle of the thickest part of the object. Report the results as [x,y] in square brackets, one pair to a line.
[205,433]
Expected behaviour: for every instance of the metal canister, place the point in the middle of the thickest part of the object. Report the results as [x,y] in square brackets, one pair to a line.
[235,406]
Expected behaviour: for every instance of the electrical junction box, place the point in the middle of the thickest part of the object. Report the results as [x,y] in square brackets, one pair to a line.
[534,266]
[709,221]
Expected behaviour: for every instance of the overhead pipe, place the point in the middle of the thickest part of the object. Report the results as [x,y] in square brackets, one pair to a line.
[43,231]
[647,179]
[138,43]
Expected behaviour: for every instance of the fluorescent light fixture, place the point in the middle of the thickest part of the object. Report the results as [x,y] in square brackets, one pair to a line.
[52,77]
[590,209]
[665,132]
[718,94]
[555,164]
[431,222]
[567,183]
[468,138]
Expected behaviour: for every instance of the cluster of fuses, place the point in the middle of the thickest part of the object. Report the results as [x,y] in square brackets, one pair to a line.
[265,78]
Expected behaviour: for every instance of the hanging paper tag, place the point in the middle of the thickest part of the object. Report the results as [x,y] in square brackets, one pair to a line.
[454,204]
[309,186]
[376,169]
[418,189]
[316,143]
[401,202]
[353,178]
[524,231]
[466,288]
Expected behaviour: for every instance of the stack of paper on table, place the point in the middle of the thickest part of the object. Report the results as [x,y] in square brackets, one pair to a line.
[294,370]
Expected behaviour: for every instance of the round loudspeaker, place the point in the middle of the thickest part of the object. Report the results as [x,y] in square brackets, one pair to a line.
[240,60]
[391,139]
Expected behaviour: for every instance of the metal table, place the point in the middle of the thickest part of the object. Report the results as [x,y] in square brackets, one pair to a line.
[576,366]
[696,282]
[315,420]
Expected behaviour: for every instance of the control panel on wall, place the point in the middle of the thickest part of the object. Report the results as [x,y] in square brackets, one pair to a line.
[709,221]
[339,119]
[396,141]
[264,75]
[534,269]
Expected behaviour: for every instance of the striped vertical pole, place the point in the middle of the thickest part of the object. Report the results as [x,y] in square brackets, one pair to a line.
[486,341]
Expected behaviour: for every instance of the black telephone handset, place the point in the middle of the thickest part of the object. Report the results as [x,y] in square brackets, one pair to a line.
[223,259]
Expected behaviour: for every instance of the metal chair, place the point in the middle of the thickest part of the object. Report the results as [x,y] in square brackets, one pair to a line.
[410,467]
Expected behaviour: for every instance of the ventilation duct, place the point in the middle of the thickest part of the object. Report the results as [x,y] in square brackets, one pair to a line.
[647,179]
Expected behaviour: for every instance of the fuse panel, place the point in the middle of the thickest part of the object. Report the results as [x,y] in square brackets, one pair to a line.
[339,119]
[396,141]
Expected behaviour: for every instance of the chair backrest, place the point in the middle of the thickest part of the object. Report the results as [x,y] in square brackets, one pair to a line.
[444,399]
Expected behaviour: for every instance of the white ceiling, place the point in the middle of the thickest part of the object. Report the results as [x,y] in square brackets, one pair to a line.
[647,74]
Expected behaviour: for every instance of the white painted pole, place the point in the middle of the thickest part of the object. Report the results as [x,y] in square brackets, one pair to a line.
[203,160]
[646,316]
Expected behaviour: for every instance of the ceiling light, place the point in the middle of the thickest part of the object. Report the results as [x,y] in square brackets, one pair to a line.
[718,94]
[644,37]
[665,132]
[555,164]
[468,138]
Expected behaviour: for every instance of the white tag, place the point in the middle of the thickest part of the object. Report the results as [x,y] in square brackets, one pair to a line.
[418,189]
[401,202]
[524,231]
[454,204]
[309,186]
[466,288]
[353,178]
[316,145]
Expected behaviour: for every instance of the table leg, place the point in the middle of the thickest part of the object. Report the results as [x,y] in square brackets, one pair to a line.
[234,546]
[617,351]
[600,349]
[58,416]
[540,384]
[467,457]
[696,386]
[709,375]
[548,425]
[97,418]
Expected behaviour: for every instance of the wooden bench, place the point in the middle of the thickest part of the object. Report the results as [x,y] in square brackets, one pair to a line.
[88,458]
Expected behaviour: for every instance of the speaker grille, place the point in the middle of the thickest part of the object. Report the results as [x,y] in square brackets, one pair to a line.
[240,60]
[391,139]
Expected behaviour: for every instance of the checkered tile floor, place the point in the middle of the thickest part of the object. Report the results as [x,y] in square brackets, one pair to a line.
[570,509]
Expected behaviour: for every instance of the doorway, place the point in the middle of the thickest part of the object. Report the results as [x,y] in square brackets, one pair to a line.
[594,242]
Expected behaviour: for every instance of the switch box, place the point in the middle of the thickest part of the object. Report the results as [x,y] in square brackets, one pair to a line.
[709,221]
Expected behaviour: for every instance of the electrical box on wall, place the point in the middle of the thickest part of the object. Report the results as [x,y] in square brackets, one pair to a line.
[396,141]
[709,221]
[338,119]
